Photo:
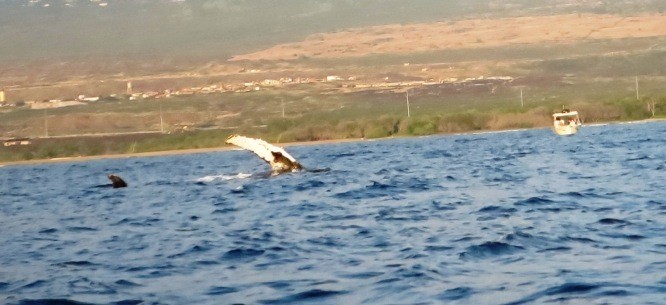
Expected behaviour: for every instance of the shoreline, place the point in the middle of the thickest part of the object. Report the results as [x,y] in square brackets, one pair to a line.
[322,142]
[166,153]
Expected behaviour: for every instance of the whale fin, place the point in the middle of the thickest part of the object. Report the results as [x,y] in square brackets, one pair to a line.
[117,181]
[278,158]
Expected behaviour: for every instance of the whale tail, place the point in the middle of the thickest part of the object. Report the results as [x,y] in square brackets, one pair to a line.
[278,158]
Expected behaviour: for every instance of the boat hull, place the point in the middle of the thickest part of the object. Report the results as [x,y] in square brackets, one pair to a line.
[566,123]
[566,130]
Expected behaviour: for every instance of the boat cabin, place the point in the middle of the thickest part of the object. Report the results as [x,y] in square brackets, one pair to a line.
[566,122]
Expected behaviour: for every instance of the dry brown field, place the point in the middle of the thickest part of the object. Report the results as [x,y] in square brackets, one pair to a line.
[94,76]
[476,33]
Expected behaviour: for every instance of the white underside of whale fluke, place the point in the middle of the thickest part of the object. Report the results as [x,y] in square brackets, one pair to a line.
[278,158]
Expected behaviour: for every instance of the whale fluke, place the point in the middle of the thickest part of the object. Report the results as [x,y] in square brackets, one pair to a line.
[117,181]
[279,159]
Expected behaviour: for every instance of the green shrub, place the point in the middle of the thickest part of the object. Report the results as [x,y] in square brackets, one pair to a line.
[424,126]
[384,126]
[350,129]
[374,131]
[462,122]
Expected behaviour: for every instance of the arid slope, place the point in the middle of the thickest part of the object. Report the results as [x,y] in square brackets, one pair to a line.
[478,33]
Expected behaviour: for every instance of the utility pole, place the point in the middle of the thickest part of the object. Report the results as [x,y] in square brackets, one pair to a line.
[46,125]
[161,119]
[408,115]
[282,100]
[521,98]
[637,96]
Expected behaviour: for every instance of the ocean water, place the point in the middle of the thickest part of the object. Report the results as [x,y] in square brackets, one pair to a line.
[522,217]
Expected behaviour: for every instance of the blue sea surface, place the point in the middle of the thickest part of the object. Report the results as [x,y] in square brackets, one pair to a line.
[519,217]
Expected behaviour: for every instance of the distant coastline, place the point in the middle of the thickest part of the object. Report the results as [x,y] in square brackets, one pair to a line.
[322,142]
[162,153]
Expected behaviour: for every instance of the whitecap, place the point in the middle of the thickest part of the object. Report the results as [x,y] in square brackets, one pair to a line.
[223,177]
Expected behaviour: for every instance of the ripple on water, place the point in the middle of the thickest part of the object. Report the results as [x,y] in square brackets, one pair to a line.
[445,206]
[221,290]
[193,250]
[360,275]
[564,292]
[35,284]
[629,237]
[493,212]
[374,190]
[81,229]
[52,302]
[613,221]
[554,249]
[533,201]
[312,295]
[489,250]
[454,294]
[77,264]
[242,253]
[85,285]
[310,184]
[584,240]
[126,283]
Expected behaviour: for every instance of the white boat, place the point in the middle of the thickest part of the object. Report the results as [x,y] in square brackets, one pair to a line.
[566,122]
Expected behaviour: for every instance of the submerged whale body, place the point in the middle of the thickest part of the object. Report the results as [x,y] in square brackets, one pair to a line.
[279,159]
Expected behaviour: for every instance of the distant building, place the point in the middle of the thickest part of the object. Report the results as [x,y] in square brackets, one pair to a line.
[55,104]
[88,98]
[21,141]
[150,94]
[2,96]
[129,88]
[270,82]
[134,96]
[91,99]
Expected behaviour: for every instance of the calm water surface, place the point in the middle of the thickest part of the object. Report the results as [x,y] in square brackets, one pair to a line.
[507,218]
